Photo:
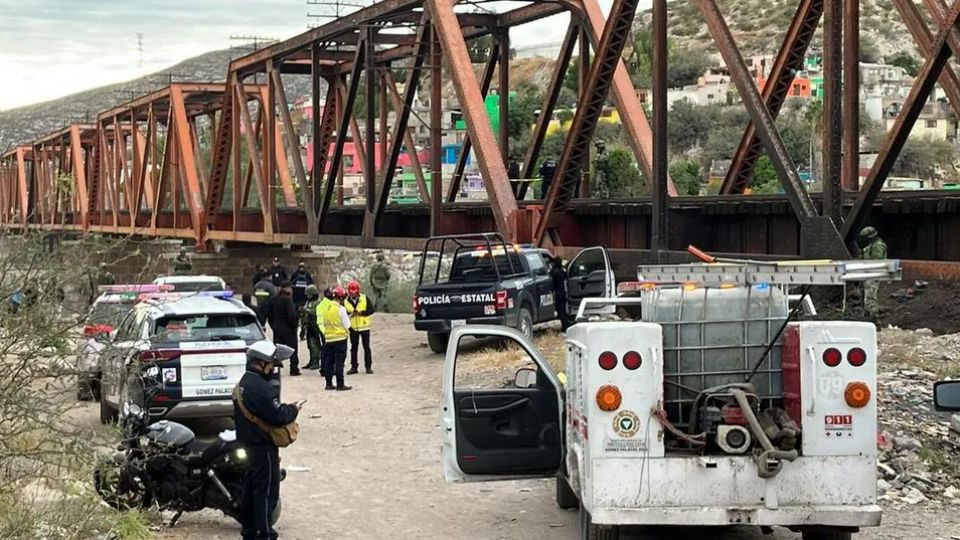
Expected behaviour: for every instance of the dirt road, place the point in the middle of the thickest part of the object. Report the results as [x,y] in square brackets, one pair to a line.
[374,471]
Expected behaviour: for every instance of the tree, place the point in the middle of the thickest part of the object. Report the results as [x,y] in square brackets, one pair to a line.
[907,61]
[764,179]
[620,173]
[690,125]
[686,177]
[522,115]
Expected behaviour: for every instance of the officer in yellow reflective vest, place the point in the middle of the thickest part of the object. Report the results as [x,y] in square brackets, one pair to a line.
[359,308]
[334,324]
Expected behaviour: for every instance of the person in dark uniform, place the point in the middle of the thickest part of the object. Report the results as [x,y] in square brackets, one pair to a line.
[283,319]
[278,274]
[301,279]
[309,329]
[547,171]
[261,398]
[559,276]
[264,291]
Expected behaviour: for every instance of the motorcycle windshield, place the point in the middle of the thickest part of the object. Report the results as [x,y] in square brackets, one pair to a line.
[170,433]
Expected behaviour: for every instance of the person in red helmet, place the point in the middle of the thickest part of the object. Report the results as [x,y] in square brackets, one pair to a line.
[359,308]
[336,328]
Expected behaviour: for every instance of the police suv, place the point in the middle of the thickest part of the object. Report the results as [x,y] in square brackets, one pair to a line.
[199,342]
[480,279]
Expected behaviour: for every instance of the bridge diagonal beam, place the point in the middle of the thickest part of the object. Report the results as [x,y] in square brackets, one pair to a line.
[789,60]
[397,101]
[942,48]
[485,143]
[400,129]
[344,126]
[549,103]
[576,150]
[760,115]
[461,165]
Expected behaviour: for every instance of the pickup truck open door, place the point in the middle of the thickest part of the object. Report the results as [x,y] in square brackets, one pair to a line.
[590,275]
[497,431]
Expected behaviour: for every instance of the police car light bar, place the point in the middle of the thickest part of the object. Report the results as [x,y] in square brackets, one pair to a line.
[172,296]
[134,288]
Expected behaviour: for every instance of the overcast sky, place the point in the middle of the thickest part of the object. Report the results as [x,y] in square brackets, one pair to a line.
[51,48]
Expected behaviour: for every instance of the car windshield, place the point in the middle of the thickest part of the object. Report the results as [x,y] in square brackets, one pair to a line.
[107,313]
[197,286]
[209,327]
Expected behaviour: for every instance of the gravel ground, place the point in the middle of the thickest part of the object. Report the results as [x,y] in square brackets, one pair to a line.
[373,469]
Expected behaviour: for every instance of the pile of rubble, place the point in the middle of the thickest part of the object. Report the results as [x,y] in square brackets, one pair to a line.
[919,448]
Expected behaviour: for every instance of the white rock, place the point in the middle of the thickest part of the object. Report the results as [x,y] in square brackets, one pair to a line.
[914,496]
[951,492]
[883,486]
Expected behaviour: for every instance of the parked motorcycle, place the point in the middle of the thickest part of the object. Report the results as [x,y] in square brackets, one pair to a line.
[163,463]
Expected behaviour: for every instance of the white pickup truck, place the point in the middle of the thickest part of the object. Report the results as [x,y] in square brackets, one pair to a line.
[713,409]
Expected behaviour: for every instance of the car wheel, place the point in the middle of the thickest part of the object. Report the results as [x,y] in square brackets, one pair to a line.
[108,415]
[566,498]
[590,531]
[827,535]
[525,323]
[438,341]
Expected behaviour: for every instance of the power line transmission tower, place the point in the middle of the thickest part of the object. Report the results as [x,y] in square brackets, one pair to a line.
[333,9]
[139,50]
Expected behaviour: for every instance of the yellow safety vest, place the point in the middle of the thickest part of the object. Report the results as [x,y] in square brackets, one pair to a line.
[321,306]
[328,318]
[357,321]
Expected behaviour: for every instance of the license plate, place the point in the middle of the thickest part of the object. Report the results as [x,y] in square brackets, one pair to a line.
[213,373]
[458,322]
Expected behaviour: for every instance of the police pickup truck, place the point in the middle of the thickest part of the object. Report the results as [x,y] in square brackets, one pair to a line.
[480,279]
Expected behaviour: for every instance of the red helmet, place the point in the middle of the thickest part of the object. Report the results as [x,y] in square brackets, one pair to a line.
[338,292]
[353,287]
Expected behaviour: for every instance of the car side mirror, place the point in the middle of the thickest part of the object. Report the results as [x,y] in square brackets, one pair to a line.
[946,395]
[525,378]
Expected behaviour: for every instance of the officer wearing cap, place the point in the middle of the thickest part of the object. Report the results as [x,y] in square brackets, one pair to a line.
[261,398]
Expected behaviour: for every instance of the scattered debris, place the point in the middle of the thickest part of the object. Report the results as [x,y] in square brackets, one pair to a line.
[298,468]
[917,446]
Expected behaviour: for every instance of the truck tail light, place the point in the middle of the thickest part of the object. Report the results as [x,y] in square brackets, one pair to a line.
[416,303]
[158,355]
[832,357]
[857,357]
[857,394]
[608,360]
[632,360]
[609,398]
[93,330]
[501,299]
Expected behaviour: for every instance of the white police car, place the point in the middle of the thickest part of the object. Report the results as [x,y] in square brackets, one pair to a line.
[198,342]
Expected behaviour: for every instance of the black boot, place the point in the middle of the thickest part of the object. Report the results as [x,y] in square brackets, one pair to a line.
[353,371]
[330,385]
[344,387]
[369,371]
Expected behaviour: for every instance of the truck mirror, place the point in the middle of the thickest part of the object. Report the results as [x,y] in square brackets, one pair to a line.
[525,378]
[946,395]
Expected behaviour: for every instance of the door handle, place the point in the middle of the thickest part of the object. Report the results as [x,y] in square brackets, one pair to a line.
[512,406]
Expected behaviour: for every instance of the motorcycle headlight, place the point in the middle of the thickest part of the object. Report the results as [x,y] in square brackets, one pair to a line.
[241,454]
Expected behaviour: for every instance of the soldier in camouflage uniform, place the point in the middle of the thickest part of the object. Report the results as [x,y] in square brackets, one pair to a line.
[379,280]
[182,265]
[309,330]
[871,247]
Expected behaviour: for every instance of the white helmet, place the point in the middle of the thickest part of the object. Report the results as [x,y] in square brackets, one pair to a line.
[268,352]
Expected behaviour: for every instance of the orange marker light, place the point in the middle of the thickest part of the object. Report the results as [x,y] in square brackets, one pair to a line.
[609,398]
[857,395]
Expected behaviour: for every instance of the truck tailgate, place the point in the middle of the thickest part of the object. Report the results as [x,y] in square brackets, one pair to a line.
[457,301]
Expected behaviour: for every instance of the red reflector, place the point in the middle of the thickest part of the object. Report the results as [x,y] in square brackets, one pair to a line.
[857,357]
[608,360]
[416,303]
[832,357]
[501,299]
[158,355]
[469,458]
[160,398]
[632,360]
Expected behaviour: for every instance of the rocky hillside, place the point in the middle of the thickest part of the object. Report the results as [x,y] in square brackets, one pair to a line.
[25,124]
[759,25]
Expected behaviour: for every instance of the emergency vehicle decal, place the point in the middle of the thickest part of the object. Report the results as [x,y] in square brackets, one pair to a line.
[469,298]
[626,423]
[546,299]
